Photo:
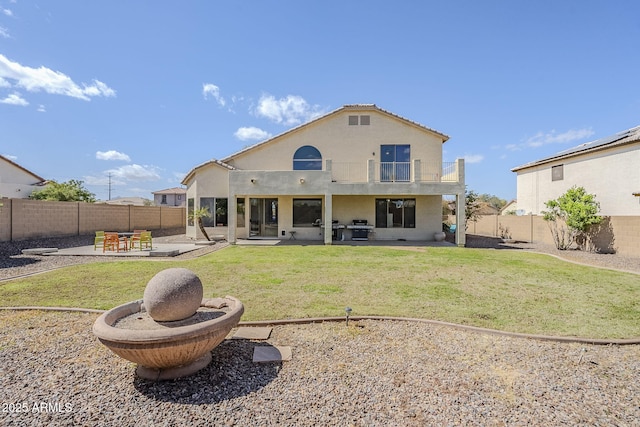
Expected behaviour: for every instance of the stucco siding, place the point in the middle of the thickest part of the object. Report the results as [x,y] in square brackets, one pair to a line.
[612,175]
[338,141]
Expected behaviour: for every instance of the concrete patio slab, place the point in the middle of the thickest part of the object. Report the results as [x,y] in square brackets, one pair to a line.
[159,250]
[265,354]
[252,333]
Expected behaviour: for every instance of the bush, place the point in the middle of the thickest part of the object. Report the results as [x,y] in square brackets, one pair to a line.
[571,215]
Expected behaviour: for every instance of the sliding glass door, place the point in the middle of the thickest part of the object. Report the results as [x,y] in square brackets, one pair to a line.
[263,218]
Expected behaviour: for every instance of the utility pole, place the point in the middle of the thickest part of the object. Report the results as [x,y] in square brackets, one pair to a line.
[109,185]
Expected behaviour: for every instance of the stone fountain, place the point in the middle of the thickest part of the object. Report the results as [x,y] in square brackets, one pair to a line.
[170,332]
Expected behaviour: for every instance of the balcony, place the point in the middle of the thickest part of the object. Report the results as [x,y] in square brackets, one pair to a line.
[397,172]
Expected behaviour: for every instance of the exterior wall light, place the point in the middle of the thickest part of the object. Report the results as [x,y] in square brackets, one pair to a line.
[301,180]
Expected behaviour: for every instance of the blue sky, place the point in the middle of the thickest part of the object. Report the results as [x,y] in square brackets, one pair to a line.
[146,90]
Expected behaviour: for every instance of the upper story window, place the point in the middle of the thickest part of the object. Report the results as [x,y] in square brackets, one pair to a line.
[395,162]
[307,158]
[557,173]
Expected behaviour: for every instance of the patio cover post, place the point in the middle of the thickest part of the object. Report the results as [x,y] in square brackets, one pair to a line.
[232,216]
[460,220]
[328,218]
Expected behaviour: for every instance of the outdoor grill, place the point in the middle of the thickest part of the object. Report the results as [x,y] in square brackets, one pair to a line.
[360,229]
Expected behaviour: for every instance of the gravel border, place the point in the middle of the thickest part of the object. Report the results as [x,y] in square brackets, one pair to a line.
[370,373]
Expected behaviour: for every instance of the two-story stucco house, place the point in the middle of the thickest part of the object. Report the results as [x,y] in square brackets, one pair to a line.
[359,173]
[608,167]
[17,182]
[175,196]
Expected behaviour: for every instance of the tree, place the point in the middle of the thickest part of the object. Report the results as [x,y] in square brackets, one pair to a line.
[471,207]
[492,200]
[70,191]
[197,215]
[571,215]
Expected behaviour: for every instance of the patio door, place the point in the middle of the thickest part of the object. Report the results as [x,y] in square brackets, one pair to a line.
[395,163]
[263,218]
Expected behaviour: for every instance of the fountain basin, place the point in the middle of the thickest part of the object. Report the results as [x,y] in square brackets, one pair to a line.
[175,350]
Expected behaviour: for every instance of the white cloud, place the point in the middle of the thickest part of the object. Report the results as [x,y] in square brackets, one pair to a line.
[10,157]
[251,133]
[288,111]
[41,109]
[14,99]
[112,155]
[4,83]
[49,81]
[4,33]
[135,173]
[552,137]
[473,158]
[209,89]
[7,12]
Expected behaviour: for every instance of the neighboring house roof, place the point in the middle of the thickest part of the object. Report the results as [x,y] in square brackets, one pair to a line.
[190,174]
[628,136]
[40,180]
[511,206]
[174,190]
[348,107]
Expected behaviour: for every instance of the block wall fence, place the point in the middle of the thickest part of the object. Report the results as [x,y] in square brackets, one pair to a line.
[24,219]
[618,234]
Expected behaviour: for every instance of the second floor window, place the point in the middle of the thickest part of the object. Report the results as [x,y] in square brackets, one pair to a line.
[395,162]
[307,158]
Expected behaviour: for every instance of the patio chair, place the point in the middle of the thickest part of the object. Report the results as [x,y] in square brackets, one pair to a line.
[113,242]
[135,238]
[145,239]
[99,240]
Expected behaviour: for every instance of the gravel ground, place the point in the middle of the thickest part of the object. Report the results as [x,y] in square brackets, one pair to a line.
[370,373]
[53,371]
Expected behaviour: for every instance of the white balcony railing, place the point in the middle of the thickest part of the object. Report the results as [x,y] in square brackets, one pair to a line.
[349,172]
[416,171]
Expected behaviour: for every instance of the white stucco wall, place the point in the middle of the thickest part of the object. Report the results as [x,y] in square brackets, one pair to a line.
[612,175]
[15,182]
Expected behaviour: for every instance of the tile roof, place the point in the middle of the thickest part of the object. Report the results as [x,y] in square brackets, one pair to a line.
[207,163]
[621,138]
[173,190]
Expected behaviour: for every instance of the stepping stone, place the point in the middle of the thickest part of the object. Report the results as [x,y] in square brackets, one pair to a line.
[257,333]
[265,354]
[38,251]
[164,253]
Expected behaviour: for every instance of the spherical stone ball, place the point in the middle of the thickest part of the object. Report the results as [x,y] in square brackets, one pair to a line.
[173,294]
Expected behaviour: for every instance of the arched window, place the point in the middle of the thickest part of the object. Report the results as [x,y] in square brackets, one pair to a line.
[307,158]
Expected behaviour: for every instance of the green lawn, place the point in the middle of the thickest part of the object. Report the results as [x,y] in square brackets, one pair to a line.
[501,289]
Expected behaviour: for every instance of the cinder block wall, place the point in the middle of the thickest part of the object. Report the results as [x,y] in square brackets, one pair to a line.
[619,234]
[34,219]
[103,217]
[5,220]
[23,219]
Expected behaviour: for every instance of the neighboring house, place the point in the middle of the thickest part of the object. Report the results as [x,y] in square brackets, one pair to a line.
[17,182]
[170,197]
[510,208]
[609,168]
[356,164]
